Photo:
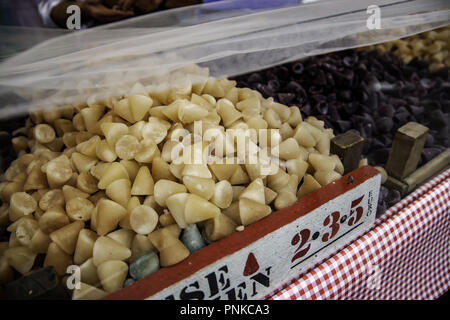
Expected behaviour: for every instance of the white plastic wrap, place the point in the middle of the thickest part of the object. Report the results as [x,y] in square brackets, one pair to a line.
[109,60]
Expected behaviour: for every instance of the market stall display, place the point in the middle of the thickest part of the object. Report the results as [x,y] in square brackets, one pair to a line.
[100,184]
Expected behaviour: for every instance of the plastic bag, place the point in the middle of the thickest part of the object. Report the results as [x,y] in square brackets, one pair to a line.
[109,60]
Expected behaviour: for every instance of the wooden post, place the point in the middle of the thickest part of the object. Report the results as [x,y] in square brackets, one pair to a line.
[420,175]
[43,284]
[406,150]
[348,146]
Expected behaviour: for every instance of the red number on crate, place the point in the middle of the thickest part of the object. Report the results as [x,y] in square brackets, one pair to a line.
[304,236]
[359,211]
[333,221]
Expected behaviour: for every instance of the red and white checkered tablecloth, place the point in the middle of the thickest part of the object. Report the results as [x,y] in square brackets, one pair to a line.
[406,255]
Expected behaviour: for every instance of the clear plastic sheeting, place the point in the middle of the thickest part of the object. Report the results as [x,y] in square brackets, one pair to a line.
[109,61]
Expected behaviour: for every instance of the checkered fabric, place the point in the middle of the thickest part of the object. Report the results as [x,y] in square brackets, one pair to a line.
[405,255]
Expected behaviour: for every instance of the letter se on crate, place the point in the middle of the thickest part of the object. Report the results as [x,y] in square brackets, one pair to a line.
[265,255]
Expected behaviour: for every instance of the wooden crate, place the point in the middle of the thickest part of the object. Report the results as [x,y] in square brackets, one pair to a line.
[252,263]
